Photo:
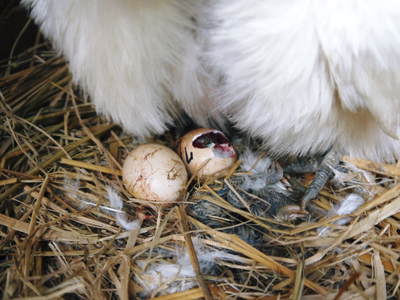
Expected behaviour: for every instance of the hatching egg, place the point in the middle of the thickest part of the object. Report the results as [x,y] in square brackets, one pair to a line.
[156,173]
[207,152]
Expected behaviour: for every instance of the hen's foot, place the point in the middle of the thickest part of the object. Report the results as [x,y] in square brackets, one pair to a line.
[323,167]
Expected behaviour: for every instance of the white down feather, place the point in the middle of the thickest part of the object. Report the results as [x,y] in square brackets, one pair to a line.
[304,75]
[135,58]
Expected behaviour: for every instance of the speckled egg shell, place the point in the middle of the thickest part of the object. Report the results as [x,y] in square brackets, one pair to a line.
[156,173]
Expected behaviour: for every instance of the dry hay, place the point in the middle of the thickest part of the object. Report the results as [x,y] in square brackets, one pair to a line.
[60,239]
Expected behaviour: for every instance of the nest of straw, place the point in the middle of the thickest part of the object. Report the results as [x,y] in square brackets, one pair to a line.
[60,239]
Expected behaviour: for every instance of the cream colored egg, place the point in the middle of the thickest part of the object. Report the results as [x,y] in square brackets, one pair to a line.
[207,152]
[156,173]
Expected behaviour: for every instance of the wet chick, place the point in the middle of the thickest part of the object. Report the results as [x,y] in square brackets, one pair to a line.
[257,189]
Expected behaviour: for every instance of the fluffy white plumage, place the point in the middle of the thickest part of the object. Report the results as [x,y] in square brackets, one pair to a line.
[304,75]
[135,58]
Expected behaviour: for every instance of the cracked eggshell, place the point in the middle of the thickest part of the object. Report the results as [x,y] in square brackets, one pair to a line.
[207,152]
[156,173]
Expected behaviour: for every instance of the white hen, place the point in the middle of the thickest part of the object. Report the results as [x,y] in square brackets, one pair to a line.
[304,75]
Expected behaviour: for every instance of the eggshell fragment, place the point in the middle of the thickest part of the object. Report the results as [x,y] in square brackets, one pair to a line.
[156,173]
[207,152]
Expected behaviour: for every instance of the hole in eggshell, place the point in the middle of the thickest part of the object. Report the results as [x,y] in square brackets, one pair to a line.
[217,141]
[209,139]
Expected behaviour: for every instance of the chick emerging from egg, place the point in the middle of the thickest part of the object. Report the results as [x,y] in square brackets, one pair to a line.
[207,152]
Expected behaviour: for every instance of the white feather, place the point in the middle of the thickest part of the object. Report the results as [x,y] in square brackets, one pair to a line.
[121,217]
[178,276]
[303,75]
[306,74]
[347,206]
[135,58]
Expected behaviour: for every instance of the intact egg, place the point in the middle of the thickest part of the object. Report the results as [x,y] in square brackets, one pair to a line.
[156,173]
[207,152]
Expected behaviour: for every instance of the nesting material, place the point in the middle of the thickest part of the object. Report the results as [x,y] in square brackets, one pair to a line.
[64,233]
[176,274]
[155,173]
[207,153]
